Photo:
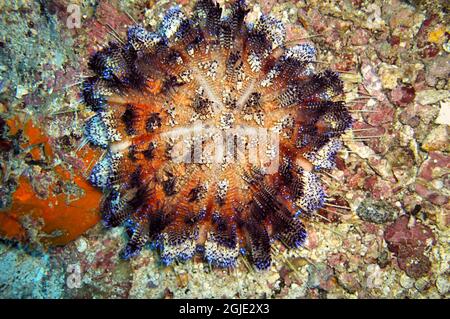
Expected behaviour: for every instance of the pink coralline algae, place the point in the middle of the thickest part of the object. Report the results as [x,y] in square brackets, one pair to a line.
[409,242]
[403,95]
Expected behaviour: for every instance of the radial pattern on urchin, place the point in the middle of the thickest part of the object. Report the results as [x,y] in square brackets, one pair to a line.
[213,131]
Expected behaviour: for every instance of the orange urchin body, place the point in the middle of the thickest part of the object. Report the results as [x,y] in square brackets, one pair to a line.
[213,130]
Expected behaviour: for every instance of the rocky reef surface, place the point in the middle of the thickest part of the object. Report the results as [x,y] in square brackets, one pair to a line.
[385,235]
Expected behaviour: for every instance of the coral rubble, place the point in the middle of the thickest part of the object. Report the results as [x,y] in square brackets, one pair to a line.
[237,79]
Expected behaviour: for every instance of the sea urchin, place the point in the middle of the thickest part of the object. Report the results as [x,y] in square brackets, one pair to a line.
[213,131]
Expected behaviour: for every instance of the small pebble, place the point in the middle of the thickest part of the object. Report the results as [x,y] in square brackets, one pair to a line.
[81,244]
